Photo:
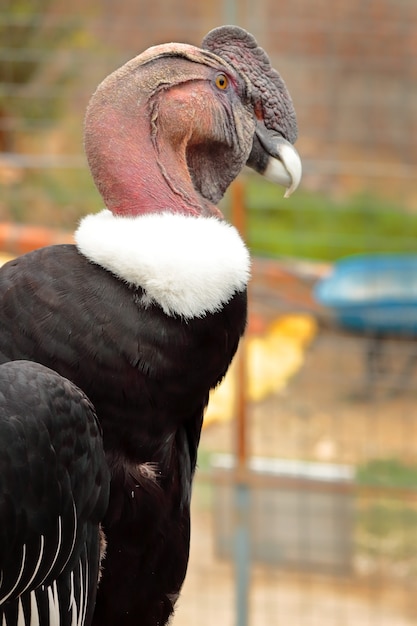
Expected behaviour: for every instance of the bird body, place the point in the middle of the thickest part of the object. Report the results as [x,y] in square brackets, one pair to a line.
[146,311]
[54,485]
[148,375]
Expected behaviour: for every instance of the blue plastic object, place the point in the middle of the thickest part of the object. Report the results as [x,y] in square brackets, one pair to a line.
[373,293]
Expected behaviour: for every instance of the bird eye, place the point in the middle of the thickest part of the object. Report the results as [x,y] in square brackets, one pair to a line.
[222,81]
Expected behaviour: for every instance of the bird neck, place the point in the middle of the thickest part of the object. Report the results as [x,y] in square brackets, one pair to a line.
[139,170]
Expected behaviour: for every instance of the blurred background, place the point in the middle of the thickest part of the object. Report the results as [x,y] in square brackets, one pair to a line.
[304,506]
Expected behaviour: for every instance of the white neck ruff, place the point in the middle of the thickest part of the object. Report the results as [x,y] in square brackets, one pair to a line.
[189,266]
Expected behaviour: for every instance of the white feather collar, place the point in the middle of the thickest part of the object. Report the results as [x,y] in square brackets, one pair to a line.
[189,266]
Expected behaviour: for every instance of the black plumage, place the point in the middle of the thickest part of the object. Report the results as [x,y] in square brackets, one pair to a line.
[54,486]
[148,376]
[146,312]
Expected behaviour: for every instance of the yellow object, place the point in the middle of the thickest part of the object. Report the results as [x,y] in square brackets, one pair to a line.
[4,258]
[271,360]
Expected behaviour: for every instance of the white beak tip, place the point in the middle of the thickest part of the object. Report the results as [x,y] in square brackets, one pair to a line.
[285,170]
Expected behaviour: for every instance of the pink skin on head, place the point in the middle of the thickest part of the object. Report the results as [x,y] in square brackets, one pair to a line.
[137,142]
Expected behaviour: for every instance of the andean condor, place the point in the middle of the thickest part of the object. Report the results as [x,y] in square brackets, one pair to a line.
[145,312]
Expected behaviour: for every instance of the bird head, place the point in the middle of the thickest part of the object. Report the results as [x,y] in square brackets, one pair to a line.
[173,127]
[273,154]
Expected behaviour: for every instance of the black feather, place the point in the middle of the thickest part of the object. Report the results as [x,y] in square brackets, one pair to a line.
[148,376]
[54,486]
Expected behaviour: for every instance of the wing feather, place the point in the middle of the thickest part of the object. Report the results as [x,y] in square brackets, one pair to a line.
[49,510]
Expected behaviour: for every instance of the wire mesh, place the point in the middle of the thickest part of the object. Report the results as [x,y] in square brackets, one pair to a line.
[322,551]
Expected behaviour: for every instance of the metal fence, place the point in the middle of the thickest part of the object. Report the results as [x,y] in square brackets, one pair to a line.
[304,506]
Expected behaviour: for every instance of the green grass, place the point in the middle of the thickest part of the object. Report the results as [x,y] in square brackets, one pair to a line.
[313,226]
[387,473]
[386,525]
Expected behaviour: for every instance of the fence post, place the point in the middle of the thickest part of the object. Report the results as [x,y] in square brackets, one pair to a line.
[241,548]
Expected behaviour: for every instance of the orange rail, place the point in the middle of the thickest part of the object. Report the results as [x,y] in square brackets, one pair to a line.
[20,238]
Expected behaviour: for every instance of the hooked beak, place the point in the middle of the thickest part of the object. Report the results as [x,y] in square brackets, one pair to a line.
[275,158]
